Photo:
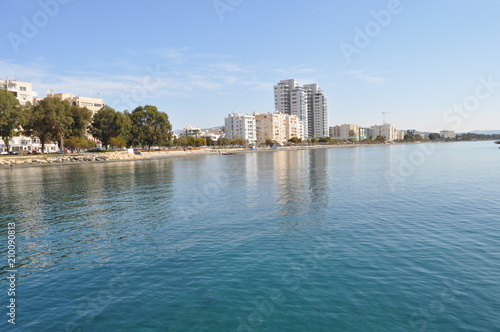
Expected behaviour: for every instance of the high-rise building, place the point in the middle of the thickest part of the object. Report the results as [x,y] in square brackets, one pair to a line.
[241,125]
[23,91]
[309,103]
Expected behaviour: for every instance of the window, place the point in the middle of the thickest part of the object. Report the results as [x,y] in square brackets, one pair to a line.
[22,88]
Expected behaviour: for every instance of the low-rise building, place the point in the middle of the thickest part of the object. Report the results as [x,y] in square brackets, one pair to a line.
[446,134]
[345,132]
[92,104]
[23,91]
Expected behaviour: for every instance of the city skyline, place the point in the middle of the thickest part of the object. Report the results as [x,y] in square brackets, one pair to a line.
[428,65]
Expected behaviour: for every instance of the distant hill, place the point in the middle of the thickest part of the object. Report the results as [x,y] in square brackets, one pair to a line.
[486,132]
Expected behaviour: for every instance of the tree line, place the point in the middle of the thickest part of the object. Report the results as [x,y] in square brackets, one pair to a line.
[53,119]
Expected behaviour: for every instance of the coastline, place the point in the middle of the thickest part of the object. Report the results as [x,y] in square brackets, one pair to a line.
[79,158]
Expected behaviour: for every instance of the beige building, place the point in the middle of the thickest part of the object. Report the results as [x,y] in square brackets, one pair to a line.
[92,104]
[279,127]
[344,132]
[448,134]
[23,91]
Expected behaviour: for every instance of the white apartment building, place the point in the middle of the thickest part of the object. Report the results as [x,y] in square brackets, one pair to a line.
[23,91]
[240,125]
[388,131]
[190,131]
[317,111]
[309,103]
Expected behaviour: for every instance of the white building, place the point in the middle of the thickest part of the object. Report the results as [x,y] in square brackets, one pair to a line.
[240,125]
[309,103]
[23,91]
[190,131]
[388,131]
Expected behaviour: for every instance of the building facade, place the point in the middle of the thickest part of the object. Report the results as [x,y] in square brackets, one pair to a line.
[344,132]
[446,134]
[240,125]
[388,131]
[92,104]
[309,103]
[23,91]
[279,127]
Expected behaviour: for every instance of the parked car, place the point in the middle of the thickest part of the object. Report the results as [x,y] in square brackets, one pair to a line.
[4,152]
[14,152]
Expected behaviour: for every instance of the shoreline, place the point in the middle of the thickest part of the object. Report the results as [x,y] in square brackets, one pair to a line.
[80,158]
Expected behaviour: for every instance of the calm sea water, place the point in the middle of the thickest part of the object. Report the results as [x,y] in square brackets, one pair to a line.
[380,238]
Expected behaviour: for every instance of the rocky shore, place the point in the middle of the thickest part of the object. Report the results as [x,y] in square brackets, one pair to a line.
[62,159]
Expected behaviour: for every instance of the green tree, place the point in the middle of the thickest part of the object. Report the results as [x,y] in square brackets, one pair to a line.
[191,141]
[380,139]
[49,120]
[294,140]
[118,142]
[239,141]
[10,116]
[314,140]
[200,141]
[409,137]
[79,142]
[222,141]
[434,136]
[150,127]
[209,141]
[108,123]
[182,141]
[82,118]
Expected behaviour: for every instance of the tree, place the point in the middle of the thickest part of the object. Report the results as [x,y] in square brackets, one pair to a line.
[353,135]
[209,141]
[409,137]
[118,142]
[49,120]
[314,140]
[200,141]
[10,116]
[82,117]
[294,140]
[191,141]
[380,139]
[222,141]
[79,142]
[150,127]
[239,141]
[434,136]
[108,123]
[182,141]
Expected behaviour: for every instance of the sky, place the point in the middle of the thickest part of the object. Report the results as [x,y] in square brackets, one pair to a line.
[430,65]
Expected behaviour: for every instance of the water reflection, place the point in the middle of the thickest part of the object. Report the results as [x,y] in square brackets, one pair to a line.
[59,210]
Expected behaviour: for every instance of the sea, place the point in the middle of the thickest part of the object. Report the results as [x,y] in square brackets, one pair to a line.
[402,237]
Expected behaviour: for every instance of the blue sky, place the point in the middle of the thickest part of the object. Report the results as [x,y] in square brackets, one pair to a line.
[429,64]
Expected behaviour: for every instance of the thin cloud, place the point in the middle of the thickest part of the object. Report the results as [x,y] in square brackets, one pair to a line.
[367,78]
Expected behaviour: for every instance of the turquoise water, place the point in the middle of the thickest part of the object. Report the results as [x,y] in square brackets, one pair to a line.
[378,238]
